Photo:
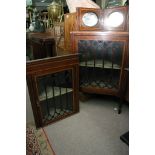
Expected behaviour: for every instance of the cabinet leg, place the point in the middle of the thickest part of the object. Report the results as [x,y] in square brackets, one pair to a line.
[120,106]
[119,110]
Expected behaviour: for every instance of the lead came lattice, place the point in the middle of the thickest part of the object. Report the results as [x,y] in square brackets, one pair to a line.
[100,63]
[55,95]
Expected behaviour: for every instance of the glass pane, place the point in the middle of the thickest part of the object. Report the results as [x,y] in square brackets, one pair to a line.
[100,63]
[55,95]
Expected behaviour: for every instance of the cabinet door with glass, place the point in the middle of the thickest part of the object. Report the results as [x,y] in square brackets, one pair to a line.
[53,88]
[103,61]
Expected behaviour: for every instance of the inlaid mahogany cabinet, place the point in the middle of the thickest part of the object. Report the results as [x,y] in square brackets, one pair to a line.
[53,88]
[103,62]
[101,39]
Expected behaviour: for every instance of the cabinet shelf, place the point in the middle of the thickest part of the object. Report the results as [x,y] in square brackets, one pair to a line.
[57,92]
[100,84]
[99,64]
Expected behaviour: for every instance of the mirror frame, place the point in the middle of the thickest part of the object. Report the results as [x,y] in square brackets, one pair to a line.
[102,16]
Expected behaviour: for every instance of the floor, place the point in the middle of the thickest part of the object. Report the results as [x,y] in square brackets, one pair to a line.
[95,130]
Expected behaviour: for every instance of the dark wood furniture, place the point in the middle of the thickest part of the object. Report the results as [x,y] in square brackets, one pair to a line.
[70,24]
[101,39]
[41,45]
[74,22]
[53,85]
[103,62]
[98,63]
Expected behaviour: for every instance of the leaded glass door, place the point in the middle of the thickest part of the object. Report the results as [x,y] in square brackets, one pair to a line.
[53,87]
[103,61]
[55,95]
[100,63]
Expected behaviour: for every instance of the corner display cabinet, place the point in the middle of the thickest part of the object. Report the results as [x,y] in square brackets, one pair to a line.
[102,44]
[103,62]
[53,88]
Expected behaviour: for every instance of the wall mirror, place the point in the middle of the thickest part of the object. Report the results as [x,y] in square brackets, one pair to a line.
[90,19]
[114,19]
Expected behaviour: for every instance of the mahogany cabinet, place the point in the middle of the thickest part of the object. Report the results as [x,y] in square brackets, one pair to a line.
[101,39]
[53,87]
[103,62]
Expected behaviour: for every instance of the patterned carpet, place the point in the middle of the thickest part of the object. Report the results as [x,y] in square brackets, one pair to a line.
[37,142]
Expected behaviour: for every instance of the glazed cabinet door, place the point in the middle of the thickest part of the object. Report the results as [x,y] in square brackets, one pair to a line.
[103,59]
[53,92]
